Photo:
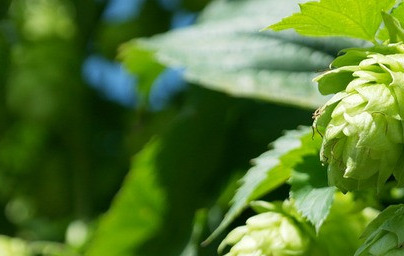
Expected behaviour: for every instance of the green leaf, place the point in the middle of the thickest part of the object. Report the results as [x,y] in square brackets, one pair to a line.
[335,80]
[394,28]
[353,18]
[341,230]
[225,51]
[398,15]
[351,57]
[391,220]
[136,211]
[191,249]
[270,170]
[380,219]
[140,62]
[194,152]
[310,191]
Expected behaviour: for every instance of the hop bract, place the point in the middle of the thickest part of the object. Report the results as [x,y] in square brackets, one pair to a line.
[362,124]
[271,233]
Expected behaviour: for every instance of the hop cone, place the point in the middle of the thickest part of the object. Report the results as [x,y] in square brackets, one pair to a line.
[13,247]
[271,233]
[362,125]
[385,235]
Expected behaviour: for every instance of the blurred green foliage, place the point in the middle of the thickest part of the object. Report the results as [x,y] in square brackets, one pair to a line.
[65,149]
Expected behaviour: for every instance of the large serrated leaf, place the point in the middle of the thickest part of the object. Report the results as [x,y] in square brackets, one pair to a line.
[313,197]
[380,219]
[226,52]
[270,170]
[391,221]
[353,18]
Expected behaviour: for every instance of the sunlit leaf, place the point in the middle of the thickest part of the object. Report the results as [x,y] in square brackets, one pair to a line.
[398,14]
[353,18]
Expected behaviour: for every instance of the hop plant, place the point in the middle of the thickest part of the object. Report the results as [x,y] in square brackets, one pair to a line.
[279,230]
[385,236]
[10,246]
[362,124]
[271,233]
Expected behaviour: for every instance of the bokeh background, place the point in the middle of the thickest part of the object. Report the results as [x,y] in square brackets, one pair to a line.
[94,163]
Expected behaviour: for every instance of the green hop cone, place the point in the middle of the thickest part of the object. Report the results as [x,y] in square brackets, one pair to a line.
[271,233]
[385,235]
[362,124]
[13,247]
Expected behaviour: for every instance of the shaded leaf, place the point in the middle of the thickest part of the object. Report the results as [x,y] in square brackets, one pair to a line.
[191,249]
[353,18]
[195,151]
[136,211]
[4,5]
[270,170]
[341,230]
[310,191]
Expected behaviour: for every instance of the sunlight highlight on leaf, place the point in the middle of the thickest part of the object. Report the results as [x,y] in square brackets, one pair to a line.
[353,18]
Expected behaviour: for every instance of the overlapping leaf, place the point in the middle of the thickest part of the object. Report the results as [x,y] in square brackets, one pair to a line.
[389,224]
[122,229]
[398,15]
[225,51]
[169,178]
[271,170]
[310,191]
